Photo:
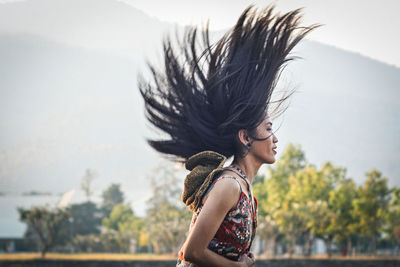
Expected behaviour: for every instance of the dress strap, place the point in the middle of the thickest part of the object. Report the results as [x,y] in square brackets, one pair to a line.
[229,168]
[240,173]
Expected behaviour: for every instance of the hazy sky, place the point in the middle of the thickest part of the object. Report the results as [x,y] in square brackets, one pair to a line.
[370,27]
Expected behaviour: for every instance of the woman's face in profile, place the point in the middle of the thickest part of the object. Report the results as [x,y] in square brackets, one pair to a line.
[265,150]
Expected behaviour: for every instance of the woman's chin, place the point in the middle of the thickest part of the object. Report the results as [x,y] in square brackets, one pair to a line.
[270,160]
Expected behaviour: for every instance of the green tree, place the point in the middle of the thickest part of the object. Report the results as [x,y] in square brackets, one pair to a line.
[122,218]
[323,214]
[344,225]
[307,213]
[267,228]
[275,213]
[309,184]
[111,197]
[319,217]
[85,219]
[310,189]
[392,219]
[372,205]
[45,224]
[167,218]
[308,193]
[291,161]
[334,174]
[120,214]
[124,224]
[291,221]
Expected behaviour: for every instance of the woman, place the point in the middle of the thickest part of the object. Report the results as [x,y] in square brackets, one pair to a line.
[213,102]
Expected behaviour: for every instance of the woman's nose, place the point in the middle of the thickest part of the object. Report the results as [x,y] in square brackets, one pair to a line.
[275,139]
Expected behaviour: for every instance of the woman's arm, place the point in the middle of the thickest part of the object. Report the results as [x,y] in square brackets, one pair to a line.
[220,200]
[213,259]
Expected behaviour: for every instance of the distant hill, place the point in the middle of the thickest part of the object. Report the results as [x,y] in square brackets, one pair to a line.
[69,100]
[104,25]
[66,109]
[346,110]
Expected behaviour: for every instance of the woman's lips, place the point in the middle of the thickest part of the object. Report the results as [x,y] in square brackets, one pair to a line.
[274,150]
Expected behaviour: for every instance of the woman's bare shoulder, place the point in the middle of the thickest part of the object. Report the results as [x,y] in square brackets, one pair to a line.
[226,189]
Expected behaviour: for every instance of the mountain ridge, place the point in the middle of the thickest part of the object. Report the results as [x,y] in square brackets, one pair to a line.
[101,90]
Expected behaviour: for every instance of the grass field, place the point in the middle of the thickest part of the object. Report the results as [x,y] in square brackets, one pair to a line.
[149,257]
[86,256]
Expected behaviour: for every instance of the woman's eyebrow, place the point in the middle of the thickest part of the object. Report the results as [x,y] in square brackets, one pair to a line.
[270,123]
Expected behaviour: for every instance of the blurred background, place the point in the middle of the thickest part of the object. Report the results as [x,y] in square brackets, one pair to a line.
[73,134]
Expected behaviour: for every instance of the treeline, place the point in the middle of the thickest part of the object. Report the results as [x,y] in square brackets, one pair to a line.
[298,203]
[111,226]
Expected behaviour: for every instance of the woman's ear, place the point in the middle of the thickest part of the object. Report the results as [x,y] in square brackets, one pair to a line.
[243,137]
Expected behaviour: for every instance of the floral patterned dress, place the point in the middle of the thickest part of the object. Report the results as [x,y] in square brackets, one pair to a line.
[235,234]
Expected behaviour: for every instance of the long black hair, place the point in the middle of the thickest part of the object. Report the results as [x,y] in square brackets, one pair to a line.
[207,92]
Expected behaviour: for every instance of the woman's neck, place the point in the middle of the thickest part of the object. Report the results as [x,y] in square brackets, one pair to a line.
[248,166]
